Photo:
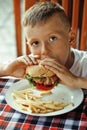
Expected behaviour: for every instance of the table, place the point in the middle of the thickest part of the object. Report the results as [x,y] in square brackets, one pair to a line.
[11,119]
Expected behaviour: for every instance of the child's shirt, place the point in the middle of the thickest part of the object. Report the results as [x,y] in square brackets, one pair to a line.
[79,67]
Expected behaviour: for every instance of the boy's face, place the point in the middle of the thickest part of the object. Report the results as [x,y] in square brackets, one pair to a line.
[49,39]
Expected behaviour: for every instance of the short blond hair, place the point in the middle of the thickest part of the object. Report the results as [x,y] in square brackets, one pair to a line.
[42,11]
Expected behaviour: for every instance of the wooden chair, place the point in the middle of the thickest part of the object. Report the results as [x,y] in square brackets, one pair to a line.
[75,10]
[18,31]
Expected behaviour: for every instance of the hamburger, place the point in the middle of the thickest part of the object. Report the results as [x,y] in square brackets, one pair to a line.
[40,77]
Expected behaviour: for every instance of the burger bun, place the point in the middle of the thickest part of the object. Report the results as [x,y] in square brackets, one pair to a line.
[38,71]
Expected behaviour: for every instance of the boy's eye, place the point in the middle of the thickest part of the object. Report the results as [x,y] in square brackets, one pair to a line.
[35,43]
[53,38]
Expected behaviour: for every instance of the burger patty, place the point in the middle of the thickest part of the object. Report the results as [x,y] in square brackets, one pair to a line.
[46,80]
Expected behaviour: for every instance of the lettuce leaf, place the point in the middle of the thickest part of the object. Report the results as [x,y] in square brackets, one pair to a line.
[29,78]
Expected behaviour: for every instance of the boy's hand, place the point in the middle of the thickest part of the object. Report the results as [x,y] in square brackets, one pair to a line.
[18,66]
[61,71]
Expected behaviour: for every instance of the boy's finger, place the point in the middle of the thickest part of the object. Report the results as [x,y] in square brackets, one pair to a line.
[33,58]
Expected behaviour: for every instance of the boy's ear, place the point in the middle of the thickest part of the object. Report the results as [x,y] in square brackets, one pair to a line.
[72,37]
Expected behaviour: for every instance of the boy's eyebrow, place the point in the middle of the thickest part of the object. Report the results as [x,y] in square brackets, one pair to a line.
[50,33]
[58,32]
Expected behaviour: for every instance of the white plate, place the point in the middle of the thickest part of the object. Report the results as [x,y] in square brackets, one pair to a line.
[59,93]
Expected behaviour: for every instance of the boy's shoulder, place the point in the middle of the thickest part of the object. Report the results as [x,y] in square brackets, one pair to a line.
[79,53]
[79,66]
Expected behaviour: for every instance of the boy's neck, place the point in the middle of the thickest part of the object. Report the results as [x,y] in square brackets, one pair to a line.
[70,60]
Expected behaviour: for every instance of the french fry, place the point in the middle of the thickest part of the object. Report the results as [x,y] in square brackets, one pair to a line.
[26,100]
[45,92]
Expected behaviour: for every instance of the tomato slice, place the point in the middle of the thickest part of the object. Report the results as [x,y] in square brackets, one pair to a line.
[43,87]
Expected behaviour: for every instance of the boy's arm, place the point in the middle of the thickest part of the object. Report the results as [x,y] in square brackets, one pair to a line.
[2,69]
[17,67]
[14,68]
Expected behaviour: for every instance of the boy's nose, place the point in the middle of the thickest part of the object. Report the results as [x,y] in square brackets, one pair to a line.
[44,50]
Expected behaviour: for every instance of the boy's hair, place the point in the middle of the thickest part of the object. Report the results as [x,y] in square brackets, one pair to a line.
[42,11]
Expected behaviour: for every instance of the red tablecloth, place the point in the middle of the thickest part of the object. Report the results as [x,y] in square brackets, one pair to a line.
[11,119]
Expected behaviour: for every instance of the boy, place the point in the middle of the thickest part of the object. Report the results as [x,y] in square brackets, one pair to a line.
[49,36]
